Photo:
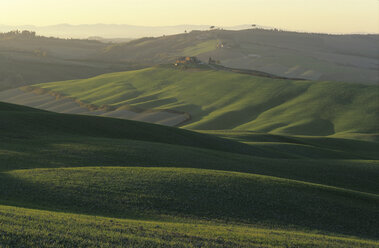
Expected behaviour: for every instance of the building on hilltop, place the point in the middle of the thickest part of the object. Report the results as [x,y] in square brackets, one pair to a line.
[187,60]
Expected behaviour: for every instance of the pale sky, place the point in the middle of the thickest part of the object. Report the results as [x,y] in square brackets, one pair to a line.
[332,16]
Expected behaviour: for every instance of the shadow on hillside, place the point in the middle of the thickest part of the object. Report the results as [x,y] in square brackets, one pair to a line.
[235,200]
[55,152]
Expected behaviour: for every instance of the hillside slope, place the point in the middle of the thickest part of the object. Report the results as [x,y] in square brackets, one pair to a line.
[40,139]
[194,194]
[55,102]
[348,58]
[225,100]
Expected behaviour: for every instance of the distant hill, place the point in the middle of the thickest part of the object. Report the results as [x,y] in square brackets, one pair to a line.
[26,58]
[217,100]
[348,58]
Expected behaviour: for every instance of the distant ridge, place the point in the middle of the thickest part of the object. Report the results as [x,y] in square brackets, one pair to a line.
[109,31]
[122,31]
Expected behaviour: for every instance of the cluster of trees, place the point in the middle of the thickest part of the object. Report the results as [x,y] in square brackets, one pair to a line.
[25,34]
[29,35]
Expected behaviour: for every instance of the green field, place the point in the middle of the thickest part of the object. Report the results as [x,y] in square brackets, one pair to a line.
[218,100]
[73,230]
[194,194]
[71,180]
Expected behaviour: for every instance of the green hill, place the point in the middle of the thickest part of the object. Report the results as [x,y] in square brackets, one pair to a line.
[218,100]
[157,186]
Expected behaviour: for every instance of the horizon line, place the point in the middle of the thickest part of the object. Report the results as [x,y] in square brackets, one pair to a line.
[199,25]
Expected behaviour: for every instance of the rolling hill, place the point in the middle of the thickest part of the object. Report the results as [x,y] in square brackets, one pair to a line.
[86,180]
[347,58]
[218,100]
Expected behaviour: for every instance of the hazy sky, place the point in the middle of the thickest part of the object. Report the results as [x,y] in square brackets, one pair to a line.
[309,15]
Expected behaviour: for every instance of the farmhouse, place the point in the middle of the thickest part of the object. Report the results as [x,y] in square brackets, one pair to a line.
[187,60]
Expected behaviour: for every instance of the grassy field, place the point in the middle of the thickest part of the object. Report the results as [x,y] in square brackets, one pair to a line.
[73,230]
[194,194]
[71,180]
[218,100]
[200,48]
